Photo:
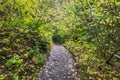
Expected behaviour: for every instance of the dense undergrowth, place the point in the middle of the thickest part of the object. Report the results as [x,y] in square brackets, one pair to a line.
[93,37]
[25,38]
[21,54]
[90,66]
[90,29]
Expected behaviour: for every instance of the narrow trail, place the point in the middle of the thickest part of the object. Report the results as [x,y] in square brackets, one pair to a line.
[60,66]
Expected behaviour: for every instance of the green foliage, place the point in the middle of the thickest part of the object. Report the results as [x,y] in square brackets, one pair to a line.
[16,78]
[59,35]
[14,61]
[47,32]
[94,35]
[25,37]
[89,28]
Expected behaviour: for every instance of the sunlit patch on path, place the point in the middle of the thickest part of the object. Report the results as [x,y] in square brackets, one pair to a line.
[60,66]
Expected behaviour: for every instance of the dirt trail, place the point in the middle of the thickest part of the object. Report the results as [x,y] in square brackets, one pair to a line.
[60,66]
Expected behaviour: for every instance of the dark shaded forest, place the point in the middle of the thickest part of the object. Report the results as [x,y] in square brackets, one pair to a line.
[89,29]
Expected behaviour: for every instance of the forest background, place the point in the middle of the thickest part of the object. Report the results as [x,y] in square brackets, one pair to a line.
[89,29]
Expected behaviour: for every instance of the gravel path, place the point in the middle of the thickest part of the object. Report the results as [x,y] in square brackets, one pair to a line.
[60,66]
